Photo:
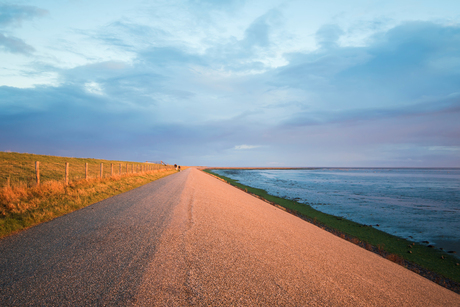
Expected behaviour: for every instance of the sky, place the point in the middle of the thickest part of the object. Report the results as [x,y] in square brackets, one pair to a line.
[358,83]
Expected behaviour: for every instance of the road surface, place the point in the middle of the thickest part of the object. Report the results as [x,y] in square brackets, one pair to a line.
[191,240]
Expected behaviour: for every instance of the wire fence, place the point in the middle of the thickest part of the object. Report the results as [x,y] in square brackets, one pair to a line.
[31,174]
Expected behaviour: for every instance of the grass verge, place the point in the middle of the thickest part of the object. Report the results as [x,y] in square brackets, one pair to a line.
[22,206]
[431,263]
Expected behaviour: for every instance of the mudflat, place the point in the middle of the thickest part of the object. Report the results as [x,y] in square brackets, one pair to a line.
[191,240]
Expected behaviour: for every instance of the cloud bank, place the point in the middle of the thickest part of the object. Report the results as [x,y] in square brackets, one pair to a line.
[199,96]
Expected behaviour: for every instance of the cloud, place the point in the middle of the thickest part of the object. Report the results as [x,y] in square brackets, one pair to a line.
[328,36]
[94,88]
[74,119]
[15,45]
[394,99]
[169,56]
[14,15]
[129,36]
[397,70]
[257,34]
[249,53]
[90,125]
[444,148]
[216,4]
[244,147]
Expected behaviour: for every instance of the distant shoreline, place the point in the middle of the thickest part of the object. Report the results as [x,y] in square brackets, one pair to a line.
[329,167]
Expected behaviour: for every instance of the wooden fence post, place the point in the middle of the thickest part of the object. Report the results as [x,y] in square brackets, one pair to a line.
[132,168]
[37,172]
[111,169]
[8,182]
[119,171]
[102,170]
[86,171]
[66,173]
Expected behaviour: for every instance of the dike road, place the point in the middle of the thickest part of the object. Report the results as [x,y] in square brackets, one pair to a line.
[190,239]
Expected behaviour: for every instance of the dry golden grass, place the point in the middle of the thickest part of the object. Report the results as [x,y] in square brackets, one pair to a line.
[396,258]
[23,203]
[19,168]
[22,206]
[355,241]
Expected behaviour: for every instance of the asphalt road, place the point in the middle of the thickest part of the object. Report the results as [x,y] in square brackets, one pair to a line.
[191,240]
[95,256]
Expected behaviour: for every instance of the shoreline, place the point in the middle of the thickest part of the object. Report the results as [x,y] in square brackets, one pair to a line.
[389,247]
[359,204]
[329,167]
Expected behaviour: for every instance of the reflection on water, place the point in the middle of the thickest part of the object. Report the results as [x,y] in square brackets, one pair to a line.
[416,204]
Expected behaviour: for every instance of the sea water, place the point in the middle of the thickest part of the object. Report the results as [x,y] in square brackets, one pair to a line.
[415,204]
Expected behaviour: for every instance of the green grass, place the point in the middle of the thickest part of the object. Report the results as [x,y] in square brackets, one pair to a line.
[429,258]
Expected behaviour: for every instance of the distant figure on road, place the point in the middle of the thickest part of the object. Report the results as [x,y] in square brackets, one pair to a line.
[175,166]
[179,168]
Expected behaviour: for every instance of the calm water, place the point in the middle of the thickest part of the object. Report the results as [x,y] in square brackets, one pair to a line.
[416,204]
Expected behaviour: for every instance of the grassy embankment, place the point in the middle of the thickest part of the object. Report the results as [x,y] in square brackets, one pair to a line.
[24,204]
[421,259]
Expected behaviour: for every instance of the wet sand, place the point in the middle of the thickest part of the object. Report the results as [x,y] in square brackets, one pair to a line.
[224,247]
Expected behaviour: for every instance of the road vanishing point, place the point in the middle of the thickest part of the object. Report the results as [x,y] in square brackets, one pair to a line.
[190,239]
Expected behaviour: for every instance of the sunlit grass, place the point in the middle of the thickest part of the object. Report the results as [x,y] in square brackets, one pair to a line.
[20,168]
[23,203]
